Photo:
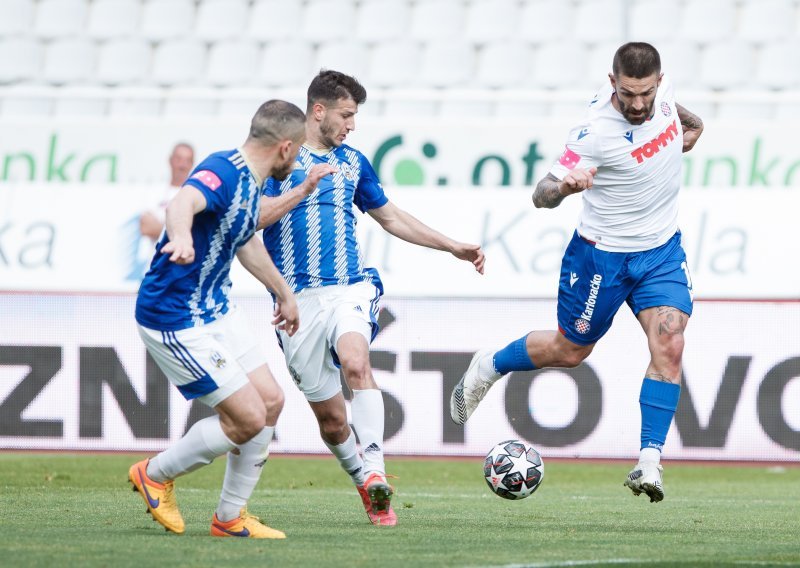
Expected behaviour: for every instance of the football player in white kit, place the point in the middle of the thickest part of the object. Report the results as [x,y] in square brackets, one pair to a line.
[624,158]
[197,336]
[316,249]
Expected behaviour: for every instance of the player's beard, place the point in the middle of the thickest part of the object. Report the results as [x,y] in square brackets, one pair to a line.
[327,134]
[636,119]
[284,170]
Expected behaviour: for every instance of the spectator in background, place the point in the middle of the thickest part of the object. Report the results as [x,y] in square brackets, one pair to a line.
[316,249]
[625,160]
[151,221]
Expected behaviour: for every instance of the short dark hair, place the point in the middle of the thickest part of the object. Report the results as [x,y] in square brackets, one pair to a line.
[330,86]
[637,60]
[277,120]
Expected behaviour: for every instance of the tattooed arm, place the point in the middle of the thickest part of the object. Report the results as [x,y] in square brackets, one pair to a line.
[692,127]
[550,191]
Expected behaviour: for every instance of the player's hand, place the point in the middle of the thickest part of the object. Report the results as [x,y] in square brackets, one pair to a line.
[315,174]
[690,136]
[577,180]
[180,250]
[471,253]
[286,315]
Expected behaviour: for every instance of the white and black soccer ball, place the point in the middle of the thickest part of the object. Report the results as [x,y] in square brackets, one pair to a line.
[513,469]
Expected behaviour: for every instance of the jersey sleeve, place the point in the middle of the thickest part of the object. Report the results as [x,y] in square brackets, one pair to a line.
[215,179]
[369,191]
[580,151]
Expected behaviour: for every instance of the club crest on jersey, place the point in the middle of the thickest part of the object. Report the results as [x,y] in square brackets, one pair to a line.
[218,360]
[582,326]
[347,171]
[665,109]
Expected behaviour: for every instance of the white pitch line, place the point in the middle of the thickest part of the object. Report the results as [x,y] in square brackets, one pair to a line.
[576,563]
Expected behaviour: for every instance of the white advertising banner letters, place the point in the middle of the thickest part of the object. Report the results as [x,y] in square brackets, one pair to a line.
[86,238]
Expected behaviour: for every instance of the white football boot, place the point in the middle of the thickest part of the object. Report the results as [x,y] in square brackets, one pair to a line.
[646,478]
[471,389]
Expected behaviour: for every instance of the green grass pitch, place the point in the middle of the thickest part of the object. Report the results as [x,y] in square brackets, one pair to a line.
[79,510]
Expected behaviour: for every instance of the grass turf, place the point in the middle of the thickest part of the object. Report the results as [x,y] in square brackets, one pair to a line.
[78,510]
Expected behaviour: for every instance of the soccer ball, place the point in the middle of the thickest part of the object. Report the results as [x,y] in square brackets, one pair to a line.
[513,469]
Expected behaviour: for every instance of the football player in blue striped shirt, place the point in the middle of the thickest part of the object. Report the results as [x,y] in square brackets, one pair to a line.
[196,335]
[316,250]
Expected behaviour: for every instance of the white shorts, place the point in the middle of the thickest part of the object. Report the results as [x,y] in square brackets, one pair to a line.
[326,314]
[209,362]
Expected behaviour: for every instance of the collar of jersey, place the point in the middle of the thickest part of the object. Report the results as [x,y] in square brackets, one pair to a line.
[317,151]
[259,181]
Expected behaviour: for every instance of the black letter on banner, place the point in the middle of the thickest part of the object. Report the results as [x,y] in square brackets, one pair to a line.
[44,362]
[452,366]
[197,412]
[769,403]
[100,365]
[719,422]
[590,407]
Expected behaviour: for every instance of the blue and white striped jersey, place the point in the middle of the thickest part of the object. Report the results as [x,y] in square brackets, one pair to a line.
[173,296]
[315,244]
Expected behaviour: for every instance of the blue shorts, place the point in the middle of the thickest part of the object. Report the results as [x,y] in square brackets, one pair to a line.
[594,283]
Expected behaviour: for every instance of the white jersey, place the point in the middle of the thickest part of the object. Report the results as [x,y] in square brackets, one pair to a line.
[633,204]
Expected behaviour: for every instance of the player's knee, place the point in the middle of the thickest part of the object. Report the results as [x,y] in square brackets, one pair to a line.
[274,405]
[333,428]
[572,359]
[671,348]
[248,424]
[357,371]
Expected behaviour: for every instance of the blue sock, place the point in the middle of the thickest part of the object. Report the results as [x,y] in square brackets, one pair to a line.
[513,357]
[658,401]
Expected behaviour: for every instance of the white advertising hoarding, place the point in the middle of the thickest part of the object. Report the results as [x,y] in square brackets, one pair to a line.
[74,375]
[454,152]
[740,243]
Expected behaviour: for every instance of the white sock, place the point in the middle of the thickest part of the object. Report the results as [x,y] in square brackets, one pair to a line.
[649,455]
[348,457]
[486,369]
[242,474]
[199,446]
[367,410]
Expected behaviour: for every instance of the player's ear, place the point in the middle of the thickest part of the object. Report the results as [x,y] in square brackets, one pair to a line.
[286,147]
[319,111]
[613,81]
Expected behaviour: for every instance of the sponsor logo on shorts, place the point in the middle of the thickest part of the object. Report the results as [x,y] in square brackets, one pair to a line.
[591,301]
[582,326]
[218,360]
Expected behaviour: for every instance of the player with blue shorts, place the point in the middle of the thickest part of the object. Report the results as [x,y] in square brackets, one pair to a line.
[197,336]
[316,249]
[625,160]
